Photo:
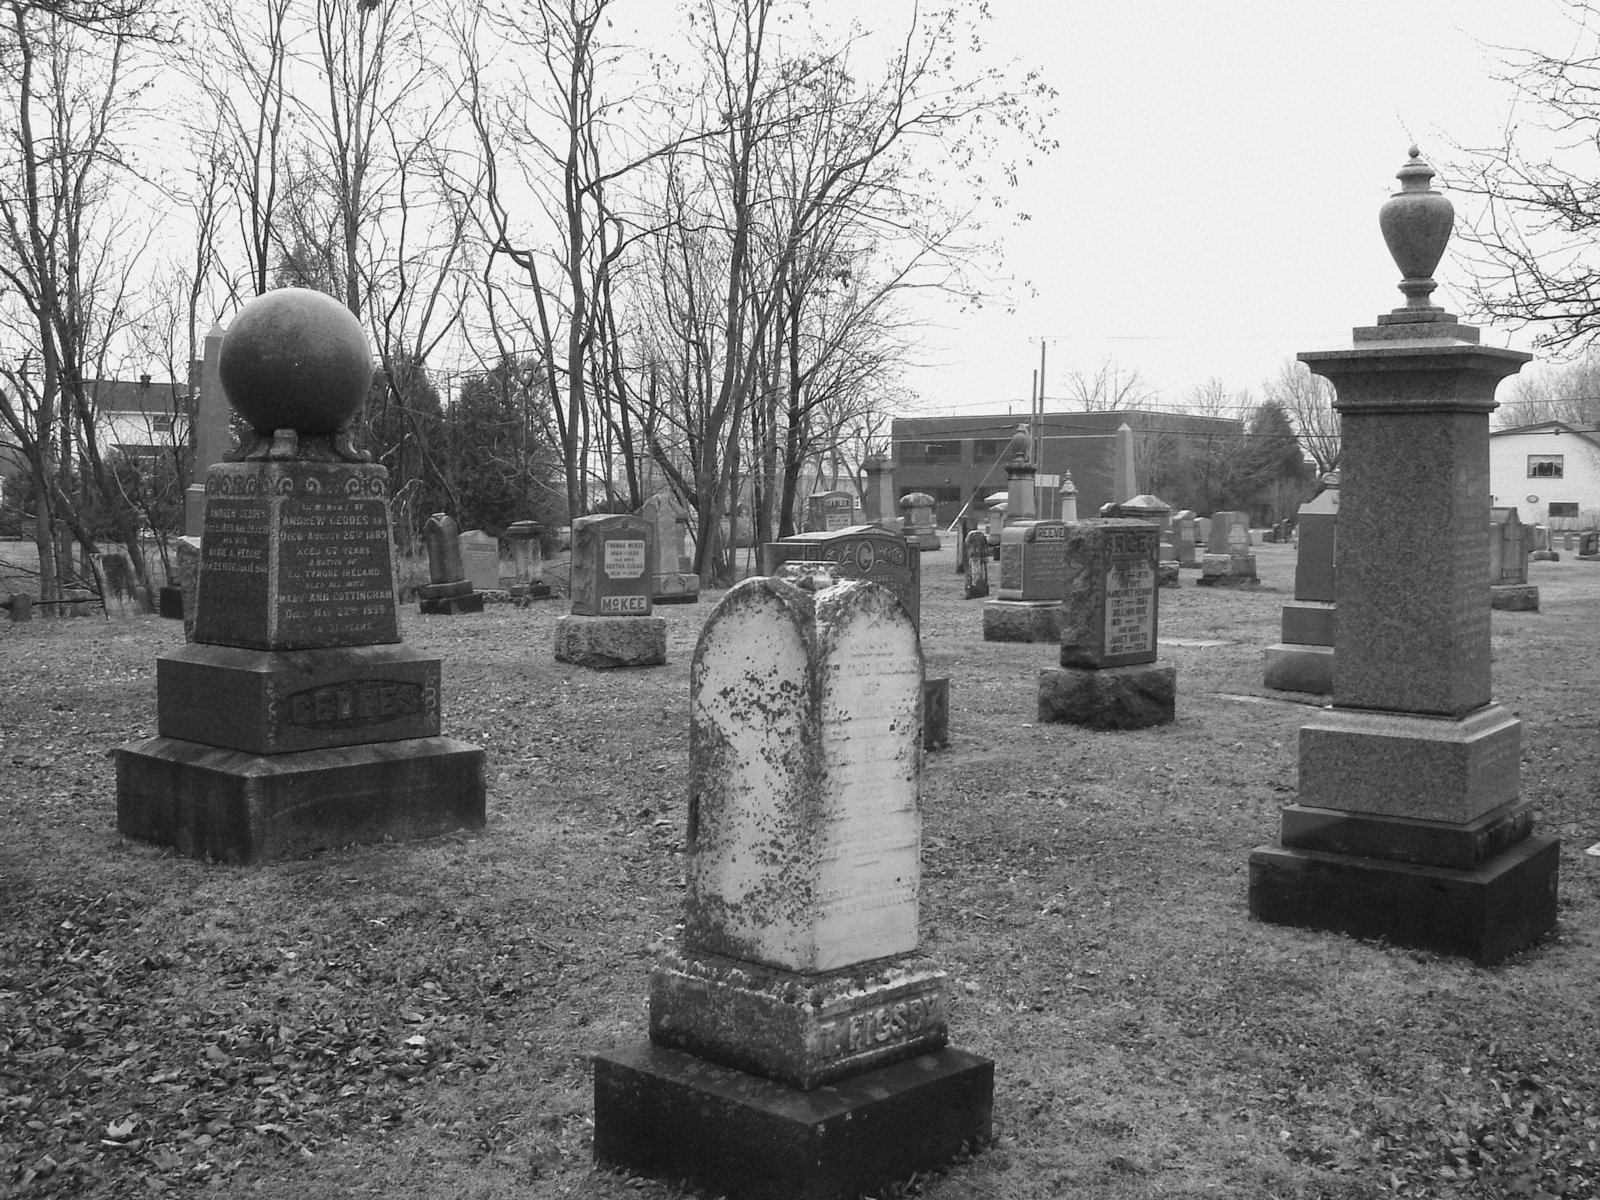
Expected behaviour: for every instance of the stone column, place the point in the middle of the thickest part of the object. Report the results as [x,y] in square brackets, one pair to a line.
[1409,825]
[211,436]
[1019,492]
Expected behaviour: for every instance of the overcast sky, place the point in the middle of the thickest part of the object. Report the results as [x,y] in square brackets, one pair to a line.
[1212,209]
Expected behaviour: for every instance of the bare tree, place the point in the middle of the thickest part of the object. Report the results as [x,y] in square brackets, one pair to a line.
[1568,392]
[1308,401]
[1108,388]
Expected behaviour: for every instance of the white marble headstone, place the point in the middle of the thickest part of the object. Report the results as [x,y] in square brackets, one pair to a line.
[805,766]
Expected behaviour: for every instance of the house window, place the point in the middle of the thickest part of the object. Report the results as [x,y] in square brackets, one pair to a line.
[1544,466]
[1560,509]
[161,424]
[986,450]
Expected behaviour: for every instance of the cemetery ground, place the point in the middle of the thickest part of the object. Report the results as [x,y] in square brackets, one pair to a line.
[417,1019]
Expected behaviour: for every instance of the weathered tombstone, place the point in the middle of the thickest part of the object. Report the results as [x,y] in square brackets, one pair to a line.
[1509,588]
[480,559]
[1303,660]
[798,1042]
[212,437]
[613,577]
[1228,561]
[296,719]
[1544,549]
[186,558]
[119,588]
[828,512]
[527,563]
[1202,534]
[21,606]
[918,509]
[877,494]
[1157,512]
[674,581]
[1409,826]
[1109,678]
[997,504]
[1185,536]
[1027,607]
[977,564]
[448,589]
[883,557]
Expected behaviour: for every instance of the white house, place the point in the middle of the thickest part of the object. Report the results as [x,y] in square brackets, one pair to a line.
[143,420]
[1550,472]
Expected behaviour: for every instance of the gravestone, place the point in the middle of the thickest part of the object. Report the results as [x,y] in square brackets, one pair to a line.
[883,557]
[296,720]
[877,494]
[212,437]
[798,1041]
[1302,661]
[674,581]
[1109,677]
[480,559]
[613,579]
[1409,826]
[448,589]
[1228,561]
[997,504]
[1032,570]
[525,538]
[1510,543]
[977,564]
[1185,537]
[119,587]
[1124,476]
[918,519]
[829,512]
[186,561]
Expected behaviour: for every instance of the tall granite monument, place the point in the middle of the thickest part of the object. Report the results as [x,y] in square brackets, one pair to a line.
[296,719]
[1409,826]
[798,1041]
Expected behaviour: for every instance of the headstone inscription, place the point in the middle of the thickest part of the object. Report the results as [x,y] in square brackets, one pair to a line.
[1302,661]
[1109,677]
[613,576]
[480,558]
[448,590]
[1409,826]
[828,512]
[295,720]
[797,1040]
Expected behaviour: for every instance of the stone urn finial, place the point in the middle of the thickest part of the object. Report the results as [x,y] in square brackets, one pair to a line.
[1416,223]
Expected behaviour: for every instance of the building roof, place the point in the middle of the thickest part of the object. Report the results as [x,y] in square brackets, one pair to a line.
[1550,427]
[1001,425]
[153,397]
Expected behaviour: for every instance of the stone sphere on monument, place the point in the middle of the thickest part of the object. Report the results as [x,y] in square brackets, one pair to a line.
[296,359]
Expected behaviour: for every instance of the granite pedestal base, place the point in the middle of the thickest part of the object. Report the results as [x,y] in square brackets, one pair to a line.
[675,587]
[1022,621]
[1109,698]
[1514,597]
[1484,914]
[605,642]
[1291,668]
[212,803]
[668,1114]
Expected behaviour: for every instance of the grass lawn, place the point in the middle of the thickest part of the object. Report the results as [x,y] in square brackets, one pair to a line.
[417,1019]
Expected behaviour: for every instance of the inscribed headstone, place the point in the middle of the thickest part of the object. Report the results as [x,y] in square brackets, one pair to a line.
[1109,597]
[859,552]
[613,566]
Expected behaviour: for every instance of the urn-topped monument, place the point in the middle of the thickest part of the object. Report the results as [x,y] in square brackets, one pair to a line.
[296,719]
[1409,824]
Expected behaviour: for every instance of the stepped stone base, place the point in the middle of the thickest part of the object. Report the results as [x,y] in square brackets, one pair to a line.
[605,642]
[1292,668]
[211,803]
[1463,847]
[1484,914]
[1109,698]
[668,1114]
[797,1029]
[1514,597]
[1022,621]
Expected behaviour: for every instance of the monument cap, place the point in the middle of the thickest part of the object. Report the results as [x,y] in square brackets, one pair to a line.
[296,359]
